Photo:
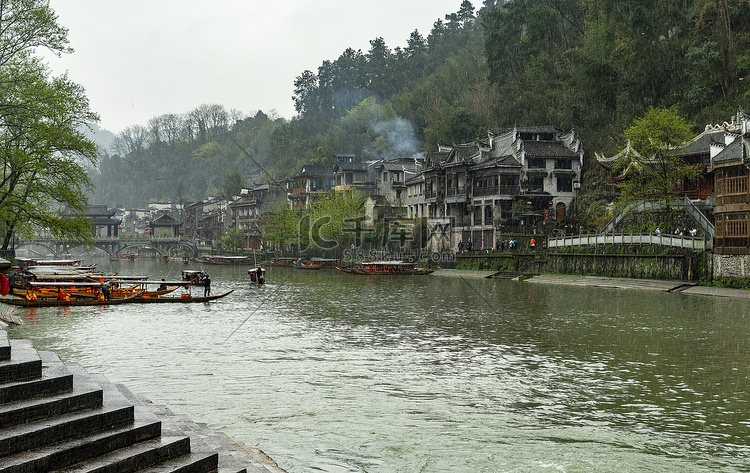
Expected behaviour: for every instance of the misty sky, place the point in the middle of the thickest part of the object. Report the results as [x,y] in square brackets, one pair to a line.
[142,58]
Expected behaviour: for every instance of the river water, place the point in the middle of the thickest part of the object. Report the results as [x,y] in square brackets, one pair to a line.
[329,372]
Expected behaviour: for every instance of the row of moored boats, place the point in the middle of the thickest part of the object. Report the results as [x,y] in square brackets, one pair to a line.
[49,283]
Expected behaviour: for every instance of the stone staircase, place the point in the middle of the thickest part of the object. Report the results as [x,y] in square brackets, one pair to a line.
[55,417]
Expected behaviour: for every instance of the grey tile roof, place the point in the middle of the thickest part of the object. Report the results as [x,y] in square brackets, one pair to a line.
[308,170]
[547,149]
[734,152]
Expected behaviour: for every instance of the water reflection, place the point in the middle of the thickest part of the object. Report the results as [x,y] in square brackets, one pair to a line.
[330,372]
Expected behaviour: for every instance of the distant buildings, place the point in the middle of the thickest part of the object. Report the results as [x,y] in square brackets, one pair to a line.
[473,190]
[521,177]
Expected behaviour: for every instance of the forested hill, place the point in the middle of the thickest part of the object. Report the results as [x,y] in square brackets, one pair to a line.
[591,66]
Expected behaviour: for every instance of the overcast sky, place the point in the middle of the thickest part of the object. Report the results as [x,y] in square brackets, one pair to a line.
[139,59]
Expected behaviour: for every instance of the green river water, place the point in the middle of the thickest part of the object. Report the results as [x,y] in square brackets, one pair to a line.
[329,372]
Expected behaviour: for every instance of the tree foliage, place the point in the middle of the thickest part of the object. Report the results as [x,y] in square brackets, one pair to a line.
[334,221]
[280,227]
[44,153]
[655,168]
[589,66]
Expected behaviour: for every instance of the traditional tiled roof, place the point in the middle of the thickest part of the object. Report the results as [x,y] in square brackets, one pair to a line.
[509,163]
[701,143]
[436,158]
[339,167]
[409,167]
[165,221]
[734,152]
[415,179]
[464,153]
[539,129]
[317,171]
[547,149]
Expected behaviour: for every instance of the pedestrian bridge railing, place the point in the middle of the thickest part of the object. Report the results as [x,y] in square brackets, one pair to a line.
[700,243]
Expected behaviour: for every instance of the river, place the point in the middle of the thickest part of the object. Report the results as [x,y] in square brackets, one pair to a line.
[329,372]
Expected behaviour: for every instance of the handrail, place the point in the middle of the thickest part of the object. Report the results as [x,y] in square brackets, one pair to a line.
[701,243]
[704,223]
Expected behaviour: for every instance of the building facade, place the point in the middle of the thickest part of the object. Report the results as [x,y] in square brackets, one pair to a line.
[523,176]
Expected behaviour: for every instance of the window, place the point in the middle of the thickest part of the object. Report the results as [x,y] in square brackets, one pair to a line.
[536,184]
[564,163]
[537,163]
[565,184]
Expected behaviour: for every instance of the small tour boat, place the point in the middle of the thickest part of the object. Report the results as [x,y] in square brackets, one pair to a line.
[185,298]
[385,268]
[45,302]
[289,262]
[218,259]
[26,262]
[329,263]
[257,275]
[194,276]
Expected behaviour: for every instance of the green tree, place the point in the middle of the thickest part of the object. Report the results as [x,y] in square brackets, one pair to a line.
[654,169]
[335,219]
[233,183]
[232,240]
[280,227]
[43,152]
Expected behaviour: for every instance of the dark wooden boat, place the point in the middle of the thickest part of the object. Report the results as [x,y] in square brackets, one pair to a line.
[257,275]
[385,268]
[289,262]
[184,299]
[62,303]
[325,263]
[219,259]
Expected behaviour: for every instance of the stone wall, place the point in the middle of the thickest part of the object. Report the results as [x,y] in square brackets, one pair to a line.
[731,270]
[683,267]
[641,261]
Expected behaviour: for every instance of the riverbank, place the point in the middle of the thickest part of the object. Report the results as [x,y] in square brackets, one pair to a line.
[640,284]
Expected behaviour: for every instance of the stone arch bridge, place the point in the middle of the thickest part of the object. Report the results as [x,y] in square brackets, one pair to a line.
[118,246]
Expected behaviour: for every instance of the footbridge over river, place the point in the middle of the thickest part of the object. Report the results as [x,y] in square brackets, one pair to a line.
[699,243]
[117,246]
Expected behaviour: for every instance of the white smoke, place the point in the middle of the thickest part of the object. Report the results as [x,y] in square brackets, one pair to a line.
[401,136]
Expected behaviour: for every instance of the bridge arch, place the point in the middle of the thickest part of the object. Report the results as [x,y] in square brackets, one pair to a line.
[52,247]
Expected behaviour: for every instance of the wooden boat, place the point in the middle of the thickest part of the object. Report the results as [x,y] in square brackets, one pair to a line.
[329,263]
[257,275]
[289,262]
[186,298]
[302,265]
[63,303]
[385,268]
[218,259]
[192,276]
[26,262]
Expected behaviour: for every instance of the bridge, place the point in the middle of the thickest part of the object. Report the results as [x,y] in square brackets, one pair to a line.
[698,243]
[703,223]
[117,246]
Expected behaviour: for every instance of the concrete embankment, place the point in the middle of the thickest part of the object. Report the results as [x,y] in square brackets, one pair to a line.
[54,416]
[659,285]
[640,284]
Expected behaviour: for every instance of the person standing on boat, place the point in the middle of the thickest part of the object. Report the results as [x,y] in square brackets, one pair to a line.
[207,286]
[105,292]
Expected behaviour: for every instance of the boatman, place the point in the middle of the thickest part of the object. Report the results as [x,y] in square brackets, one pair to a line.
[207,286]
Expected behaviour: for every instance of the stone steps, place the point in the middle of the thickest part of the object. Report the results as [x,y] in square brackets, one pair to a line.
[55,416]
